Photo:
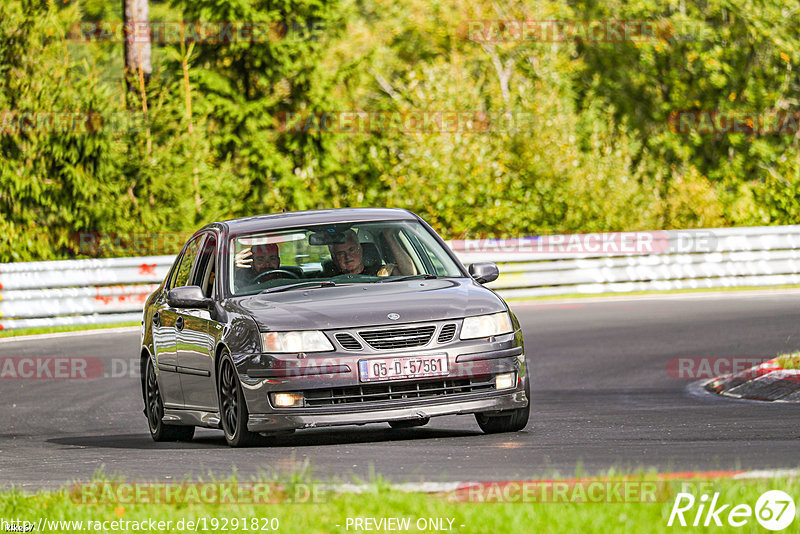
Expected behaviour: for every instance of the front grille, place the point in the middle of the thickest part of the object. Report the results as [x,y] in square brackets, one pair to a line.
[447,333]
[397,391]
[347,341]
[398,338]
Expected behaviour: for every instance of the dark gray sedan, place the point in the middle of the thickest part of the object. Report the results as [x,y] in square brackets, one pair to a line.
[273,323]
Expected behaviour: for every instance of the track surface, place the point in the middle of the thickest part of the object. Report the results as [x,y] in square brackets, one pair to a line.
[602,398]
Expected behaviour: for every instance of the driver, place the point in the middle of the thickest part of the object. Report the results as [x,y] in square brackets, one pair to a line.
[255,260]
[348,258]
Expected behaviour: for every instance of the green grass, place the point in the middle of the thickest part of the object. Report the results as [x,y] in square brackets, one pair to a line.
[790,361]
[69,328]
[332,510]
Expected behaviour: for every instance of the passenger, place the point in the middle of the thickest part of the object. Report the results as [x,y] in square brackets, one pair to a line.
[348,258]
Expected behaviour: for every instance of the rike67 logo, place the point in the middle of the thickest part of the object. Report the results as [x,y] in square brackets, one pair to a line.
[774,510]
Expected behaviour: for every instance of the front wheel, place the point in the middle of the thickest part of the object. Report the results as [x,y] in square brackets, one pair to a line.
[508,420]
[155,412]
[232,406]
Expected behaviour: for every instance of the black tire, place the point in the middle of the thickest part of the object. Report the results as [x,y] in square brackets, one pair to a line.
[506,421]
[409,423]
[154,409]
[232,406]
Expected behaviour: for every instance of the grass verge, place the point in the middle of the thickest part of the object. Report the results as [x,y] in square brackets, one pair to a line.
[789,361]
[68,328]
[334,512]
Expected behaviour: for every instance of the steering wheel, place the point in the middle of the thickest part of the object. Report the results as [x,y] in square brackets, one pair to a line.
[290,274]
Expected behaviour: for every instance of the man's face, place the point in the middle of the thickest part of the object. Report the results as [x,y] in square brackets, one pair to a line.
[264,261]
[347,256]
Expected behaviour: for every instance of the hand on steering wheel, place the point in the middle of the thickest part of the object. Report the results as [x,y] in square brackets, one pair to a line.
[289,274]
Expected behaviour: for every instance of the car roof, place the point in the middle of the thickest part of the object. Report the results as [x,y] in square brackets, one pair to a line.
[293,219]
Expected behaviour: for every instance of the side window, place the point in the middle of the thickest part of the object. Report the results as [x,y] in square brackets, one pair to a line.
[185,268]
[205,268]
[421,253]
[173,271]
[404,241]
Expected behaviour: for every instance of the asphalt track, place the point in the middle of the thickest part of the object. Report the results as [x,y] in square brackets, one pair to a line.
[602,398]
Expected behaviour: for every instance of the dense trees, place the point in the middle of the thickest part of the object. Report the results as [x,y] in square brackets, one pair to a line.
[591,148]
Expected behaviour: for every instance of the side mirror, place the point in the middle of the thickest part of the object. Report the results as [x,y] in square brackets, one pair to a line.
[188,297]
[484,272]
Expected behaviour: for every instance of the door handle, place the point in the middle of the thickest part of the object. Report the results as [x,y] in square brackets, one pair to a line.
[179,324]
[156,319]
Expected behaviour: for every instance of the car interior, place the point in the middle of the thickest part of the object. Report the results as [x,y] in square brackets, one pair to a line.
[379,248]
[371,258]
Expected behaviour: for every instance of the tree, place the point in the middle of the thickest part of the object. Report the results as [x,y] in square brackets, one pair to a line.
[136,21]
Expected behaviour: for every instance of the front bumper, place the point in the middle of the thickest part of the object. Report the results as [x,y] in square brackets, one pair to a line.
[275,422]
[468,362]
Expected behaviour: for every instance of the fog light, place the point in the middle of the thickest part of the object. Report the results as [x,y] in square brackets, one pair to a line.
[504,381]
[287,400]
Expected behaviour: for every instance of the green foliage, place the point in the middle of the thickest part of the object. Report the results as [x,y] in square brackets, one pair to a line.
[716,55]
[51,182]
[591,150]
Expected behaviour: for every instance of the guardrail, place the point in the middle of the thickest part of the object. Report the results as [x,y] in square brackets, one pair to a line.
[56,293]
[640,261]
[113,290]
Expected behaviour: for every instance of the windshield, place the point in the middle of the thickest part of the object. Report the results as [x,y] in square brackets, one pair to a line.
[343,254]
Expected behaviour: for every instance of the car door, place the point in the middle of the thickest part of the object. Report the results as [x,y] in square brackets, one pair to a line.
[167,322]
[197,338]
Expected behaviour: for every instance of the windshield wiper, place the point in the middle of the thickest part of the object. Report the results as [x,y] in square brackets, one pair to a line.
[424,276]
[300,285]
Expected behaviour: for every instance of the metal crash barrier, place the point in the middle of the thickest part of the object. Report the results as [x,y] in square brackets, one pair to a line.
[75,292]
[54,293]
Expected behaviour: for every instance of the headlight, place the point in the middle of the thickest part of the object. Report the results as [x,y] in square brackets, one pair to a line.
[486,325]
[304,341]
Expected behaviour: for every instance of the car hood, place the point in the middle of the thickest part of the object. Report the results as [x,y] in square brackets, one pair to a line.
[359,305]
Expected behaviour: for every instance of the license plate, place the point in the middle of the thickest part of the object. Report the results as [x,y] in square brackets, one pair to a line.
[400,368]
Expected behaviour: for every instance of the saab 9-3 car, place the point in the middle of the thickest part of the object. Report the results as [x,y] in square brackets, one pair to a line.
[280,322]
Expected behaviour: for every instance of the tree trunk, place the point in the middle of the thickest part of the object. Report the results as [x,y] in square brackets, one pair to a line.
[136,19]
